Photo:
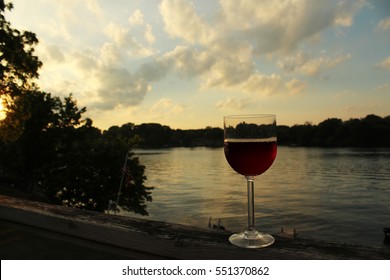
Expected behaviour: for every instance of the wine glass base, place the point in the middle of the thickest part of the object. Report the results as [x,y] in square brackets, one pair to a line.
[253,239]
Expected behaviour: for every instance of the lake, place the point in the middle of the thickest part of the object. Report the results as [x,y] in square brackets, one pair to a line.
[331,194]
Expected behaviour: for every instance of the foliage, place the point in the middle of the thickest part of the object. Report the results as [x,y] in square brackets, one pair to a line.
[154,135]
[45,143]
[67,159]
[86,173]
[18,69]
[18,65]
[371,131]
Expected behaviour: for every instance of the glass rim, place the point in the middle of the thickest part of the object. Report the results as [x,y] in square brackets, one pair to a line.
[250,116]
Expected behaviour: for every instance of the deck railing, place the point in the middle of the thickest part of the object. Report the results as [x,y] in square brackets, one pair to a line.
[35,230]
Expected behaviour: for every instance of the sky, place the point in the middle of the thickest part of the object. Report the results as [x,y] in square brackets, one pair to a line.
[186,63]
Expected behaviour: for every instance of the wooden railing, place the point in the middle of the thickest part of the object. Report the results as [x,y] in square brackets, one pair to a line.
[34,230]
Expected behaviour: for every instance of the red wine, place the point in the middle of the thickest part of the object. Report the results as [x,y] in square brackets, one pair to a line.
[250,157]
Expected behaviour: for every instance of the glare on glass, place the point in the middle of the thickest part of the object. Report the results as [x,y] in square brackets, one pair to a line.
[250,149]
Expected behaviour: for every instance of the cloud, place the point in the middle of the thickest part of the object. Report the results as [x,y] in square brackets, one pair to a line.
[283,25]
[236,104]
[101,77]
[268,85]
[228,70]
[384,24]
[383,87]
[222,50]
[111,54]
[100,81]
[54,53]
[117,87]
[259,86]
[165,107]
[58,30]
[384,64]
[94,7]
[306,65]
[123,40]
[185,61]
[295,86]
[152,71]
[137,18]
[182,21]
[149,37]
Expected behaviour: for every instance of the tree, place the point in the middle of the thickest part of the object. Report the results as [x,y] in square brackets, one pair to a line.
[329,132]
[68,113]
[18,69]
[19,66]
[45,142]
[154,135]
[86,174]
[67,159]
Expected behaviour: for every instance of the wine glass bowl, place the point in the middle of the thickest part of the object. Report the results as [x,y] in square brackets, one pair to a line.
[250,148]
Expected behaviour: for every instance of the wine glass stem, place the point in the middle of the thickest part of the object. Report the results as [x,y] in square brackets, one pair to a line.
[251,203]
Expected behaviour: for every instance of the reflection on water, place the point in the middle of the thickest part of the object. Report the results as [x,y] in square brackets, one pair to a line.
[332,194]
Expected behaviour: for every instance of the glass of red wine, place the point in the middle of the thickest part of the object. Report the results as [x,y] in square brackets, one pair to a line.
[250,149]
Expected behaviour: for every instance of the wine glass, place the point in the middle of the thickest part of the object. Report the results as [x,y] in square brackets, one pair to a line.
[250,149]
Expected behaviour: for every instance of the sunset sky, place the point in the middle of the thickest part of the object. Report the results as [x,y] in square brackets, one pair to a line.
[186,63]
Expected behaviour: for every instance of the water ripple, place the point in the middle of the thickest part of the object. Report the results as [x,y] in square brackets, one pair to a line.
[332,194]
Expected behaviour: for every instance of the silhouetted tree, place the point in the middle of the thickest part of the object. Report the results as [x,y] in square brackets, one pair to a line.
[328,132]
[371,131]
[154,135]
[47,145]
[18,69]
[87,173]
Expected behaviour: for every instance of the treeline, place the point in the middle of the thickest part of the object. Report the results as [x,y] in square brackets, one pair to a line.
[371,131]
[154,135]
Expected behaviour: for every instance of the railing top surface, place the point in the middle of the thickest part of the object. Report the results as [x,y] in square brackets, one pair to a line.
[81,234]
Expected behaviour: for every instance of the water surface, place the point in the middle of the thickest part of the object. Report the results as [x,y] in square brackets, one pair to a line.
[331,194]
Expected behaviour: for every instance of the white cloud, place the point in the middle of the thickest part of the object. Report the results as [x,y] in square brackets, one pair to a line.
[118,87]
[224,50]
[306,65]
[58,30]
[125,42]
[283,25]
[383,87]
[165,107]
[149,37]
[85,61]
[236,104]
[53,53]
[263,85]
[187,61]
[94,7]
[111,54]
[182,21]
[118,34]
[137,18]
[295,86]
[228,71]
[384,24]
[99,77]
[384,64]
